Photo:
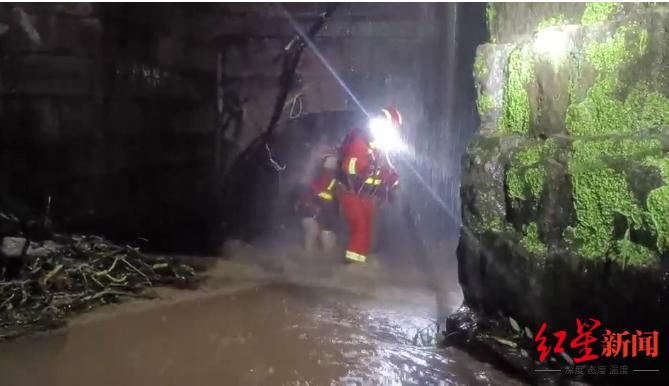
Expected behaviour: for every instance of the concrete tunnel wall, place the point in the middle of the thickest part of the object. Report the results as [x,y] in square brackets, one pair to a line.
[118,111]
[110,111]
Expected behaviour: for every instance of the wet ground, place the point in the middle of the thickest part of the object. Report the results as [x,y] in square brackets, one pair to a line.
[253,326]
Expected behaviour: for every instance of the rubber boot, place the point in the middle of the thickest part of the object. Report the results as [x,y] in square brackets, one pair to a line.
[329,242]
[310,227]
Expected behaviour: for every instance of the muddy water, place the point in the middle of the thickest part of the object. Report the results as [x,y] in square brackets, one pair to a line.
[265,332]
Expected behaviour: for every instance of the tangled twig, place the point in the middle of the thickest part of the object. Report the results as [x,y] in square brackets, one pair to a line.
[84,273]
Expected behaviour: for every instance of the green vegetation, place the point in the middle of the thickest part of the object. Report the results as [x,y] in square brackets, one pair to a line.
[658,205]
[602,196]
[490,222]
[602,112]
[630,253]
[488,217]
[595,222]
[485,102]
[646,108]
[480,67]
[551,22]
[611,219]
[607,57]
[531,240]
[526,174]
[599,12]
[601,193]
[490,14]
[519,72]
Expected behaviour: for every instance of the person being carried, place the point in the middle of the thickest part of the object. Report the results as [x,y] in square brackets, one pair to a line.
[318,203]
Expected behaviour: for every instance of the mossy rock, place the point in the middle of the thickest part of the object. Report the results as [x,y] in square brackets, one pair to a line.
[566,190]
[482,186]
[510,22]
[602,171]
[573,194]
[489,77]
[622,98]
[610,77]
[515,20]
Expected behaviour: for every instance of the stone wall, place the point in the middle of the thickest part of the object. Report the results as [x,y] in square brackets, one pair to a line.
[109,110]
[564,191]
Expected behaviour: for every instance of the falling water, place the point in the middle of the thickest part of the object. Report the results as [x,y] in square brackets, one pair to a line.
[446,194]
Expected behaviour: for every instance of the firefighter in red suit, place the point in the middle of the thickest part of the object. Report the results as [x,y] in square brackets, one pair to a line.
[367,177]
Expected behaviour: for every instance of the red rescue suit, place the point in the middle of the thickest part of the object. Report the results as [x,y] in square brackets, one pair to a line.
[365,177]
[317,200]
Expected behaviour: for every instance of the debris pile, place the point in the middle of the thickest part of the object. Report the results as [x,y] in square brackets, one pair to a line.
[68,274]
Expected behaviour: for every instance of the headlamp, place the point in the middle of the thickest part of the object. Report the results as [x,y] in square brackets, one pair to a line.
[385,134]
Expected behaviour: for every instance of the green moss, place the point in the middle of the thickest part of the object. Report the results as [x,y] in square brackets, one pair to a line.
[529,156]
[490,14]
[643,41]
[490,222]
[485,102]
[531,240]
[551,22]
[628,42]
[480,67]
[593,153]
[488,219]
[550,147]
[601,193]
[526,176]
[599,12]
[599,113]
[595,222]
[602,112]
[657,204]
[630,253]
[519,72]
[658,209]
[646,108]
[515,184]
[489,214]
[535,178]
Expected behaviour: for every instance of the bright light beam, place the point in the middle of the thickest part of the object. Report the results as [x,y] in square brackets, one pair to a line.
[434,194]
[332,71]
[320,56]
[386,135]
[427,187]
